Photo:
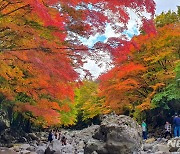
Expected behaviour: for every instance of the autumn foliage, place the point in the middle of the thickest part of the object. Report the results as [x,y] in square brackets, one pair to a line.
[146,76]
[40,51]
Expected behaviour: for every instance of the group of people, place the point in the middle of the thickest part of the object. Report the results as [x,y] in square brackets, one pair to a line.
[168,128]
[56,135]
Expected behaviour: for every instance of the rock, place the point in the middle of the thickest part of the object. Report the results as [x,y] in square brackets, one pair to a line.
[48,151]
[81,145]
[142,152]
[150,140]
[31,148]
[95,145]
[24,146]
[58,152]
[159,139]
[40,150]
[33,136]
[161,147]
[116,135]
[6,137]
[161,152]
[43,138]
[9,145]
[173,144]
[34,143]
[178,150]
[16,148]
[25,152]
[163,140]
[94,152]
[69,149]
[4,121]
[82,135]
[147,147]
[7,151]
[22,140]
[55,145]
[12,136]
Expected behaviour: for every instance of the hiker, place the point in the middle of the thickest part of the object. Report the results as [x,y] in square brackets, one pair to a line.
[56,135]
[144,130]
[168,129]
[176,122]
[63,140]
[59,137]
[50,136]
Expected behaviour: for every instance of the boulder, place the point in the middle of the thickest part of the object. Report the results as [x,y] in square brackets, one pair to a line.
[54,146]
[116,135]
[81,135]
[22,140]
[147,147]
[4,121]
[94,152]
[161,152]
[7,137]
[173,144]
[178,150]
[31,148]
[7,151]
[68,149]
[161,148]
[33,136]
[150,140]
[24,146]
[25,152]
[41,150]
[95,146]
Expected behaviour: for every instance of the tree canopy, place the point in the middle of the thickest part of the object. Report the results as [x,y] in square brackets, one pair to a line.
[40,52]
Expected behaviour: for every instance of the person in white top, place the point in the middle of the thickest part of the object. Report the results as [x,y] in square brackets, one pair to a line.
[168,129]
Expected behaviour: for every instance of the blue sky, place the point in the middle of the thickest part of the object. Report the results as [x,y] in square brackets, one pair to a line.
[165,5]
[161,6]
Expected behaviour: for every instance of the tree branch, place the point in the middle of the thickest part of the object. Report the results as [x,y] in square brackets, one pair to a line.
[22,7]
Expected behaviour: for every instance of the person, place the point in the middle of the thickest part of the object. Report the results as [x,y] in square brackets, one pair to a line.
[50,136]
[176,122]
[144,130]
[63,140]
[168,129]
[56,135]
[59,135]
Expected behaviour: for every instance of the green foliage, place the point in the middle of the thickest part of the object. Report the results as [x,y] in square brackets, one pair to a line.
[167,18]
[89,104]
[139,116]
[169,93]
[178,11]
[68,117]
[22,97]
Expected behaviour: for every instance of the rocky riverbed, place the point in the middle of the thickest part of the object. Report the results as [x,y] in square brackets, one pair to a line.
[115,135]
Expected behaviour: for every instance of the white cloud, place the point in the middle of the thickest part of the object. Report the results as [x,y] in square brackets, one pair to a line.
[133,26]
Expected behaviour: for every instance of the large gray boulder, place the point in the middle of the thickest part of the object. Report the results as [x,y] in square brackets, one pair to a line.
[116,135]
[173,144]
[4,121]
[162,148]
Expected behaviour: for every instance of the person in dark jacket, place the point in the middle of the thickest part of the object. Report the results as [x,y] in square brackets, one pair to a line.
[176,122]
[50,136]
[63,140]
